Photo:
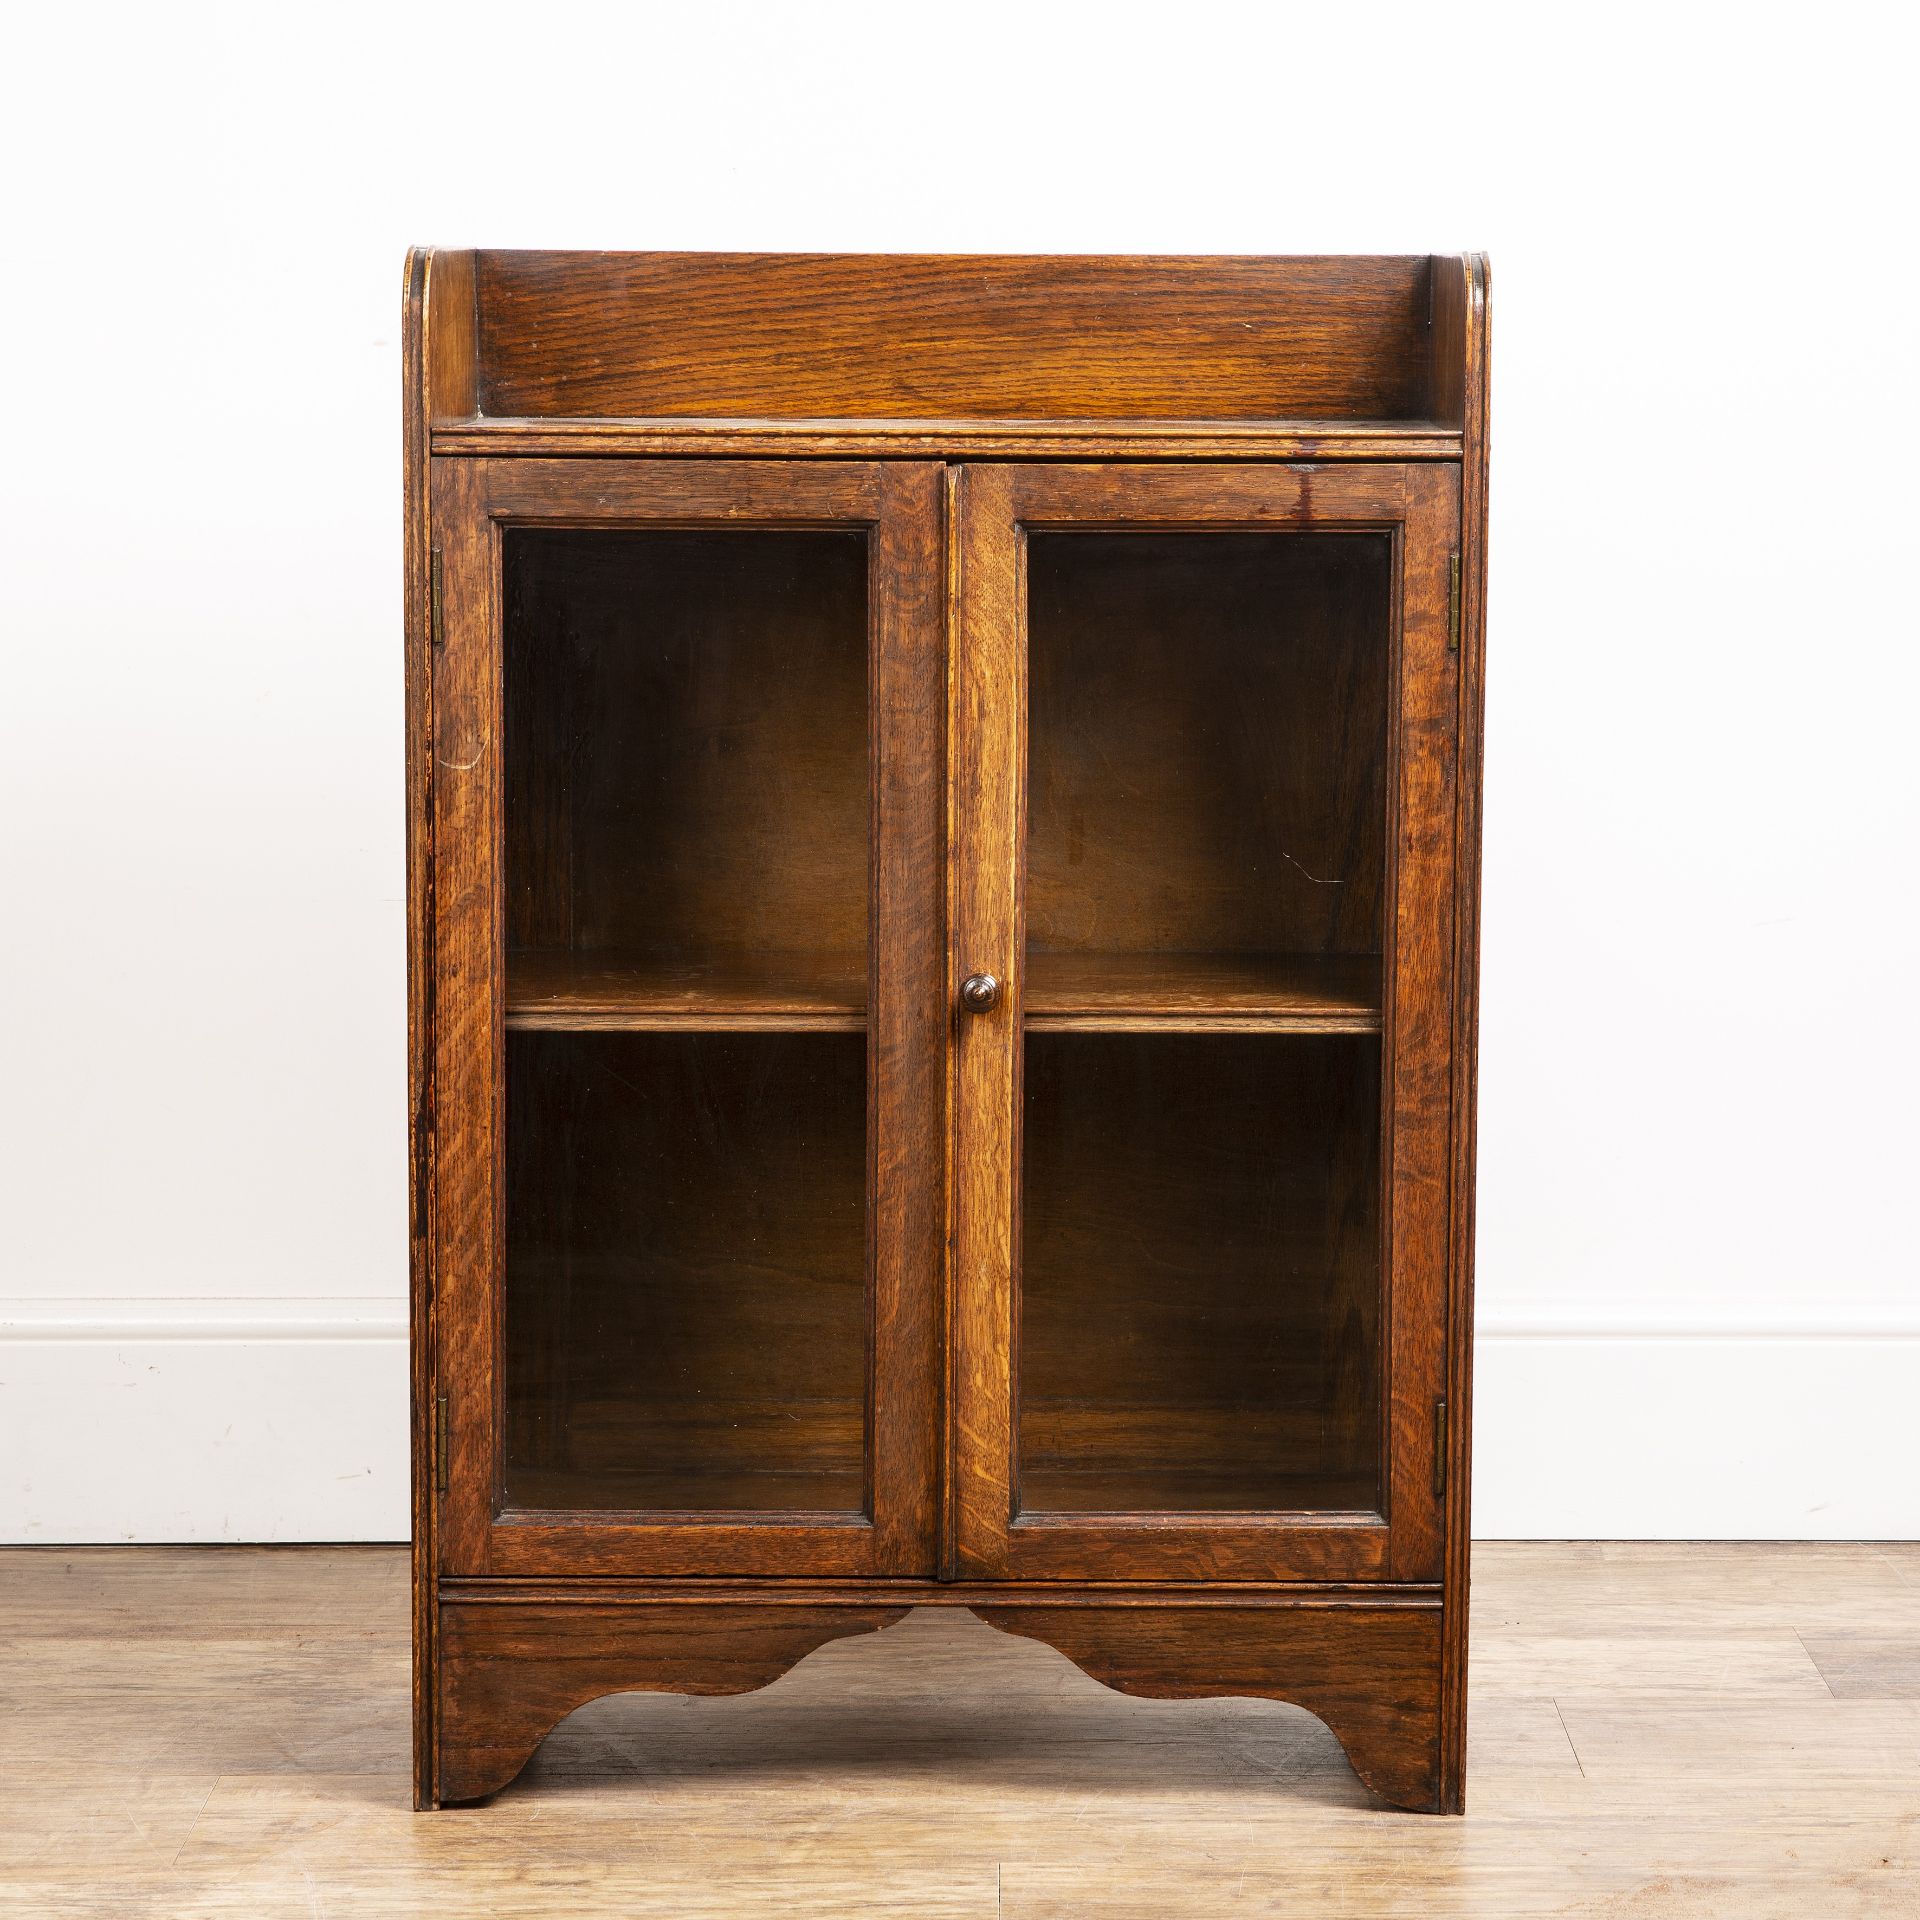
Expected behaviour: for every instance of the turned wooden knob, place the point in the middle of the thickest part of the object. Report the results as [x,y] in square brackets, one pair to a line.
[980,993]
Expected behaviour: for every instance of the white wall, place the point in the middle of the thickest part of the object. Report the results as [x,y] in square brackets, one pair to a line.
[1698,1302]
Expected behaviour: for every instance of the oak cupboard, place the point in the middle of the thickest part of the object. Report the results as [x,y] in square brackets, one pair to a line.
[943,833]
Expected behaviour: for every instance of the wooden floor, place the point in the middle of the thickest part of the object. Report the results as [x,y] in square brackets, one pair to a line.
[1714,1731]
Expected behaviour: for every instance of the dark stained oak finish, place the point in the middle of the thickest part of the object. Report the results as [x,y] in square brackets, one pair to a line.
[794,642]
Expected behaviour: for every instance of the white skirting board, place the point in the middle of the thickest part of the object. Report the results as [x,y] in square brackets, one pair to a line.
[287,1420]
[1794,1433]
[124,1420]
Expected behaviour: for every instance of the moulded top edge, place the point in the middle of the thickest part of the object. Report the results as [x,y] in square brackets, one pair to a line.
[1013,438]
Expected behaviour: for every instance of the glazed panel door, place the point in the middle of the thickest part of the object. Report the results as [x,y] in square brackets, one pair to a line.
[1204,734]
[688,1016]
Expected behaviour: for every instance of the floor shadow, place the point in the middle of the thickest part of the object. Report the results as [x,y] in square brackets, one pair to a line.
[943,1698]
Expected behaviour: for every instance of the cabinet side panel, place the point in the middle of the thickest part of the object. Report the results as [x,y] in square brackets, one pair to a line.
[417,536]
[1472,695]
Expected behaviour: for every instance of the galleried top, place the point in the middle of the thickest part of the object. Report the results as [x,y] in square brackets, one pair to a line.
[924,350]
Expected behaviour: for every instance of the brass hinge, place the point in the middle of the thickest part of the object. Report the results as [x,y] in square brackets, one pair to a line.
[1453,601]
[1439,1446]
[434,596]
[440,1443]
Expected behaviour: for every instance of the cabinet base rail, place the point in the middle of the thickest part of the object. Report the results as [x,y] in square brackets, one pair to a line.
[512,1664]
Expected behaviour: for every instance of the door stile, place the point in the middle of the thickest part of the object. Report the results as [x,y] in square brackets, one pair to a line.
[1418,1021]
[469,803]
[985,748]
[906,1026]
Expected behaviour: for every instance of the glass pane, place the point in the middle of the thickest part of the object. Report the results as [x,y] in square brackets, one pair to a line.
[1200,1279]
[687,760]
[1207,728]
[1200,1294]
[686,877]
[686,1271]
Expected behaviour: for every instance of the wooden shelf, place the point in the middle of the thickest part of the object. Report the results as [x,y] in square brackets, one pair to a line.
[736,1455]
[1064,992]
[1111,1456]
[770,992]
[683,1496]
[1202,993]
[1050,1488]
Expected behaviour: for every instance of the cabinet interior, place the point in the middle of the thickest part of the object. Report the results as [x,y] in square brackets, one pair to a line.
[1200,1270]
[686,1271]
[687,821]
[1199,1273]
[687,772]
[686,906]
[1206,755]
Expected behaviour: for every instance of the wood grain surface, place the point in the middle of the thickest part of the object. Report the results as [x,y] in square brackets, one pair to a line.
[1659,1732]
[573,991]
[443,296]
[512,1672]
[568,991]
[1371,1673]
[1110,992]
[984,335]
[1367,1665]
